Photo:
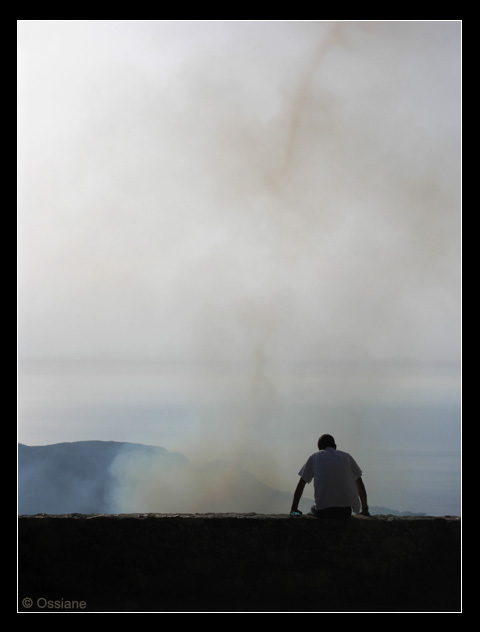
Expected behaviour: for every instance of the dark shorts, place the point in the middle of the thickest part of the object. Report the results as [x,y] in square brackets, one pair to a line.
[332,512]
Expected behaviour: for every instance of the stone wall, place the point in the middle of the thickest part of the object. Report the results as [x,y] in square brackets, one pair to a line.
[238,563]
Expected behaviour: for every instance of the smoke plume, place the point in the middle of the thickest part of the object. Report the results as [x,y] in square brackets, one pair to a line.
[266,211]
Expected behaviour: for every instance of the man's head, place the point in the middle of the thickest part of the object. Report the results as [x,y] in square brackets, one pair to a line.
[326,441]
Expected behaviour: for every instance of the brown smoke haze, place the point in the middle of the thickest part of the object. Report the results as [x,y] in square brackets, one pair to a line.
[235,236]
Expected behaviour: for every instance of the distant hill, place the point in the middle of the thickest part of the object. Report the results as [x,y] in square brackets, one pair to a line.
[76,477]
[92,477]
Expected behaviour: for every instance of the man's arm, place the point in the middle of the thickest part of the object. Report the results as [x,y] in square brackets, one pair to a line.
[298,494]
[362,492]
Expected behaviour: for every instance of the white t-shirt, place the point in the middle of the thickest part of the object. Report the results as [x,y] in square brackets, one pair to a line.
[334,474]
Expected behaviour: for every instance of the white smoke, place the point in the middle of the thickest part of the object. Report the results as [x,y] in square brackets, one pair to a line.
[272,206]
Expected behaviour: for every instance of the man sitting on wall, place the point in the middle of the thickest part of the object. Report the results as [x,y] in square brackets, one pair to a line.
[337,481]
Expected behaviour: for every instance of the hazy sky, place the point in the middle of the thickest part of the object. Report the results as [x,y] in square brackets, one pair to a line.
[235,230]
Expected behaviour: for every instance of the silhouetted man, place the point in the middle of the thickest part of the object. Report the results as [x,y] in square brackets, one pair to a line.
[337,481]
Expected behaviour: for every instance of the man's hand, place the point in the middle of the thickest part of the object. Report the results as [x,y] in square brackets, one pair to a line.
[296,497]
[363,497]
[296,512]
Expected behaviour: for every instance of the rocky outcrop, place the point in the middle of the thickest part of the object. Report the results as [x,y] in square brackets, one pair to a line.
[238,563]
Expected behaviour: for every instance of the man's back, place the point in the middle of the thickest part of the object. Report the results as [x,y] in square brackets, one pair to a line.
[334,474]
